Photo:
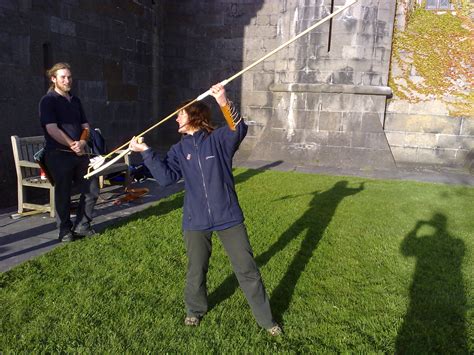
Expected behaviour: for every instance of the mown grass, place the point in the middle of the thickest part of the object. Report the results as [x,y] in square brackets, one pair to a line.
[350,264]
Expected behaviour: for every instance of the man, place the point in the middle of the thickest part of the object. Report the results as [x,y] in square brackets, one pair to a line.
[65,129]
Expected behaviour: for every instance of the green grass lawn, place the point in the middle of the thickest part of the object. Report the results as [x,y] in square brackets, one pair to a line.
[350,264]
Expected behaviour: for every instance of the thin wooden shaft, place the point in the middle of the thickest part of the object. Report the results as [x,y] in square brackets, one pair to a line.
[152,127]
[290,41]
[200,97]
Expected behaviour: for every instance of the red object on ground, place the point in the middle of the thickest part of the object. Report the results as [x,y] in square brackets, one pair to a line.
[132,195]
[42,174]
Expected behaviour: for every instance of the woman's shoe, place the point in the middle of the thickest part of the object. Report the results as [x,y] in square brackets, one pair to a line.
[192,321]
[275,331]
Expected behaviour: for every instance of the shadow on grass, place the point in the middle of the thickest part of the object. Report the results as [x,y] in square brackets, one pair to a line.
[314,222]
[166,207]
[162,208]
[435,319]
[249,173]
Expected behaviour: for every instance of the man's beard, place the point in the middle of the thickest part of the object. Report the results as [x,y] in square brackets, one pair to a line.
[64,88]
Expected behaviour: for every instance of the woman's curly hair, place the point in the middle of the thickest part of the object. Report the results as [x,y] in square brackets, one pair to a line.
[199,116]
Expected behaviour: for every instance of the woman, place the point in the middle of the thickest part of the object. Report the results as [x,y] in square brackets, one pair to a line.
[203,158]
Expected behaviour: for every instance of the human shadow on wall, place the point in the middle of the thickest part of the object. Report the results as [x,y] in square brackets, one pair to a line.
[435,319]
[313,222]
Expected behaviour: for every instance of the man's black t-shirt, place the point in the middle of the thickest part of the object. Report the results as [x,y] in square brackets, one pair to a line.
[68,115]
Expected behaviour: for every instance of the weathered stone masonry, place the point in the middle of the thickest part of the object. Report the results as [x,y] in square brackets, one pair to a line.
[109,44]
[325,97]
[320,101]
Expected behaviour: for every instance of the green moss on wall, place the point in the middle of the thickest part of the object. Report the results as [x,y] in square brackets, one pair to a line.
[434,60]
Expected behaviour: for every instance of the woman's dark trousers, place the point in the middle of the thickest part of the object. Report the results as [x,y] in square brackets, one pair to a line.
[237,247]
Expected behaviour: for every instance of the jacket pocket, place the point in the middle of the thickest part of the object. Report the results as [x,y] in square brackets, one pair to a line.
[231,198]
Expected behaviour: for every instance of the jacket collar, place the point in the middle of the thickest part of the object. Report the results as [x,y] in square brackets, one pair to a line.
[198,136]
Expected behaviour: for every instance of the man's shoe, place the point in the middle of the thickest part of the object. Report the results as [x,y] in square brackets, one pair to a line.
[86,232]
[69,237]
[275,331]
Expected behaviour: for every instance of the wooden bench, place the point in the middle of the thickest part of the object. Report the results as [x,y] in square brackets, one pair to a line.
[28,172]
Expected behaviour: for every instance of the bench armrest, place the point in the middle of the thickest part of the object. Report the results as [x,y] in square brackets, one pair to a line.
[28,164]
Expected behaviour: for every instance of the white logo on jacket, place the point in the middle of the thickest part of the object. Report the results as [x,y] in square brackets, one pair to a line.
[210,157]
[188,157]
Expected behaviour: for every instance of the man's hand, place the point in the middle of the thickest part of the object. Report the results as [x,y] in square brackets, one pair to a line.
[78,147]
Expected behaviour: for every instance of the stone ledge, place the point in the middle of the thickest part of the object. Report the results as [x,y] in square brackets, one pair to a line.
[333,88]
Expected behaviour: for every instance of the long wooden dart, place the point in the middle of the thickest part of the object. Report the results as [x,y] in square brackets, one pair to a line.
[225,82]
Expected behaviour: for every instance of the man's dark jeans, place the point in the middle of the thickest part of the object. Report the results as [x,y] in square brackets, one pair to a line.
[67,170]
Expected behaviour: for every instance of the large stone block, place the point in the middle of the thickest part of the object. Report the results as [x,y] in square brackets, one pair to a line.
[371,122]
[91,89]
[423,123]
[257,98]
[404,154]
[336,102]
[261,82]
[121,92]
[64,27]
[339,139]
[254,131]
[376,141]
[368,103]
[317,138]
[305,119]
[261,32]
[355,52]
[437,156]
[331,121]
[283,135]
[15,49]
[455,142]
[466,159]
[395,139]
[368,159]
[259,114]
[421,140]
[313,102]
[9,4]
[467,128]
[436,107]
[351,121]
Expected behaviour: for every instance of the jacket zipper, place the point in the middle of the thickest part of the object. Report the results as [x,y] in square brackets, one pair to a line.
[203,181]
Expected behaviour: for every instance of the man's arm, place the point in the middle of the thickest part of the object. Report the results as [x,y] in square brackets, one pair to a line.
[62,138]
[58,134]
[79,146]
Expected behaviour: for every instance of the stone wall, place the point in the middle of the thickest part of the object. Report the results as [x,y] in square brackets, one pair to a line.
[205,42]
[326,125]
[110,47]
[321,101]
[429,119]
[424,135]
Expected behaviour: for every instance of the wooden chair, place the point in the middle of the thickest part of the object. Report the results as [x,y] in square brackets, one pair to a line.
[28,172]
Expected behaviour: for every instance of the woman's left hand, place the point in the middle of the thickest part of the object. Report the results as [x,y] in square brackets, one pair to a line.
[137,145]
[218,91]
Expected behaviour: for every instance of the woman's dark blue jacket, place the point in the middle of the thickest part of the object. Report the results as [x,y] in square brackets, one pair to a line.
[204,161]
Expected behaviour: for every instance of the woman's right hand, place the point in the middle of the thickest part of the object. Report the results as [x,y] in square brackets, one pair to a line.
[137,145]
[218,91]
